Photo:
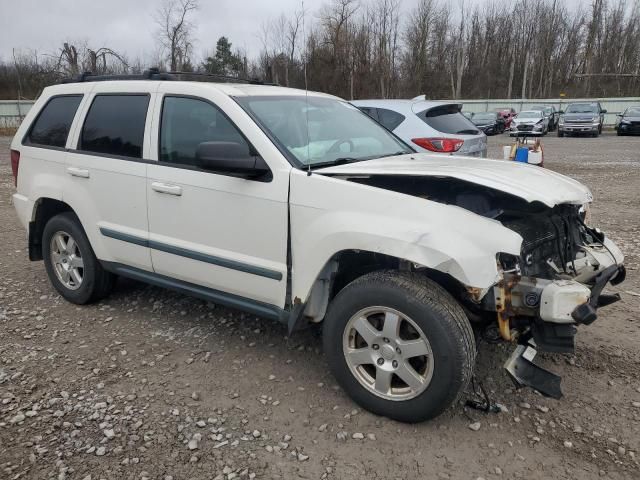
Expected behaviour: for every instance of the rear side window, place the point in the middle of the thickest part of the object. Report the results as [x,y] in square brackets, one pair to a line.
[186,123]
[115,125]
[447,119]
[389,119]
[372,112]
[52,125]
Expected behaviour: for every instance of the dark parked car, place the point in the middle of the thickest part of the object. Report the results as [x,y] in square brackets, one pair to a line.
[628,122]
[549,112]
[581,117]
[490,123]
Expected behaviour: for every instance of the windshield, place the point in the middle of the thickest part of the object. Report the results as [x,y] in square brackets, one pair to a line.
[582,108]
[482,118]
[546,110]
[530,114]
[336,130]
[633,112]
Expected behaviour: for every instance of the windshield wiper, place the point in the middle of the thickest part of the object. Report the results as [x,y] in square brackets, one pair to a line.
[337,161]
[394,154]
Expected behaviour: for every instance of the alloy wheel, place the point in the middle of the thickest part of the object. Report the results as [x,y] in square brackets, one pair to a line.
[388,353]
[66,259]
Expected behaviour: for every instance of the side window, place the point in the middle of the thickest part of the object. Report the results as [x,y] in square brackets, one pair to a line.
[389,119]
[187,122]
[52,124]
[115,125]
[370,111]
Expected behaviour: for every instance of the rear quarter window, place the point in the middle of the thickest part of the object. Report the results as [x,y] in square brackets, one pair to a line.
[51,126]
[115,125]
[447,119]
[390,119]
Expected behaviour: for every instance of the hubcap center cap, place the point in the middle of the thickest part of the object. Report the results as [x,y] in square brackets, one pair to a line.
[387,352]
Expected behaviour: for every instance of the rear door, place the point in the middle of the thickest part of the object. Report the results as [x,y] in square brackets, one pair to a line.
[107,172]
[208,229]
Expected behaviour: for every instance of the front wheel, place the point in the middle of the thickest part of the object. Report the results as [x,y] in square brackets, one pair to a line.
[560,133]
[399,345]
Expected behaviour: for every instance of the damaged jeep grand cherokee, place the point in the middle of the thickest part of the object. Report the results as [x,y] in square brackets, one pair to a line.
[296,206]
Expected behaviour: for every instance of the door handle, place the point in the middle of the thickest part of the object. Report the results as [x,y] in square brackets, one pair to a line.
[78,172]
[166,188]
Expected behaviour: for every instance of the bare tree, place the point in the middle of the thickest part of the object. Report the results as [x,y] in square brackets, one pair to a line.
[175,31]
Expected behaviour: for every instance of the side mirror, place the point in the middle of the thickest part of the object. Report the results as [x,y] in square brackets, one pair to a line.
[230,158]
[561,112]
[603,111]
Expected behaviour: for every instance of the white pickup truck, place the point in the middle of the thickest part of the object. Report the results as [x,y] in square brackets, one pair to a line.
[296,206]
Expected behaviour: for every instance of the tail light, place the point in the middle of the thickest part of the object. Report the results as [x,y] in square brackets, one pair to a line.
[441,145]
[15,163]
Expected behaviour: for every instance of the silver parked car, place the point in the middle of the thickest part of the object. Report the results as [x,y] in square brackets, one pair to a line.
[529,122]
[428,126]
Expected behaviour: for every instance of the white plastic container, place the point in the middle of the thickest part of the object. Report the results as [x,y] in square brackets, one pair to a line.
[535,158]
[506,152]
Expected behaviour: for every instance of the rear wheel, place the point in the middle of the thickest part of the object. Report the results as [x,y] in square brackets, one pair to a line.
[71,265]
[399,345]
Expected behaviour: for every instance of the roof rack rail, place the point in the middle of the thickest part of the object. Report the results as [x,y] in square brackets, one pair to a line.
[156,74]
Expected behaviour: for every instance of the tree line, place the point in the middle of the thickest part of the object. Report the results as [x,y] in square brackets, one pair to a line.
[377,49]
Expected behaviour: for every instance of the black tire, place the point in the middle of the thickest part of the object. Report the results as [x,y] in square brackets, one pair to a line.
[439,316]
[96,281]
[560,133]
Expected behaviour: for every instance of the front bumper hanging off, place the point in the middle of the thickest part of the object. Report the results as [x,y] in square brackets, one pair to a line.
[555,337]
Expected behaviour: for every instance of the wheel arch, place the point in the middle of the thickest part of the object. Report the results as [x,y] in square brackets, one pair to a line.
[44,209]
[347,265]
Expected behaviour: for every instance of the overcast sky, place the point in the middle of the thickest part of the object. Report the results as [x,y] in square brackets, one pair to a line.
[128,25]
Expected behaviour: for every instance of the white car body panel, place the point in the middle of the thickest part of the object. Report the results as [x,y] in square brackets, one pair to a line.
[525,181]
[330,215]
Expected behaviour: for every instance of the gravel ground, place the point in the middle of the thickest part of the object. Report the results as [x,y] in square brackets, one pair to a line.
[152,384]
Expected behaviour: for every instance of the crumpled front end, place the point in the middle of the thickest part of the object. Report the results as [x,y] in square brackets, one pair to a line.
[553,286]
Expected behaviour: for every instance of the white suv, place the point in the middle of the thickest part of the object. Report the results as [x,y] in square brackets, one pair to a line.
[300,208]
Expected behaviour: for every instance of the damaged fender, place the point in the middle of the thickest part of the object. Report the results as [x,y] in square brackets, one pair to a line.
[330,215]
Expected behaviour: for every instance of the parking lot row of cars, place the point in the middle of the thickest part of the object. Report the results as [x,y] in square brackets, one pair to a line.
[446,128]
[577,118]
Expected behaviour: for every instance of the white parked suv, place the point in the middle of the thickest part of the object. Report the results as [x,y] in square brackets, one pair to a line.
[300,208]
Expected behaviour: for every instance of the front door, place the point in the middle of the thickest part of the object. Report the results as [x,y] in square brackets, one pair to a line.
[224,233]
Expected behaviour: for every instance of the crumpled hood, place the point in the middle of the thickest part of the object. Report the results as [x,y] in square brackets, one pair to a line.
[528,182]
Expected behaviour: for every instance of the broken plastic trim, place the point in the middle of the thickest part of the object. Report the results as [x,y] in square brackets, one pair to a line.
[525,373]
[586,313]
